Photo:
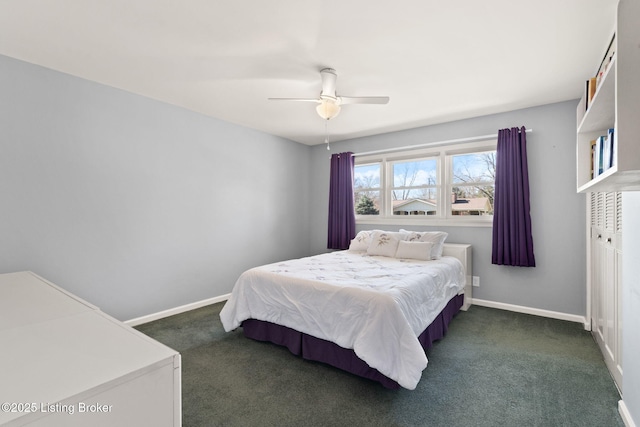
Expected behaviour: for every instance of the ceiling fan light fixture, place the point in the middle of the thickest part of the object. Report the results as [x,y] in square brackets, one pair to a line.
[328,109]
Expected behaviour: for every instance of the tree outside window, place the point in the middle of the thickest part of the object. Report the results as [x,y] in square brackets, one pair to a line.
[473,182]
[367,189]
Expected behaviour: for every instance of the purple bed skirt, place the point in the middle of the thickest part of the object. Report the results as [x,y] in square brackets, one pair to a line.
[316,349]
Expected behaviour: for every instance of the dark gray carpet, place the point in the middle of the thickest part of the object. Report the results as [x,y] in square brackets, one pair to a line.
[494,367]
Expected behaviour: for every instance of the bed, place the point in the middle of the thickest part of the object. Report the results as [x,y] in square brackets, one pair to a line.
[370,312]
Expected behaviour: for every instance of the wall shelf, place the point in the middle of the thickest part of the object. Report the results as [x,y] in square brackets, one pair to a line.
[615,104]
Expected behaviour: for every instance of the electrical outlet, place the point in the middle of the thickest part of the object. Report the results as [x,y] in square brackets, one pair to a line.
[476,281]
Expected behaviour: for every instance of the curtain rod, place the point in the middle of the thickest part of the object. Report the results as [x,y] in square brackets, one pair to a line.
[429,144]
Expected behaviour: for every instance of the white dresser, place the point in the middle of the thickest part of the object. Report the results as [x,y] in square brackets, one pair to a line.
[63,362]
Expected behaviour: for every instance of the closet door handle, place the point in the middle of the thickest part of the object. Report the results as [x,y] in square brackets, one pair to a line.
[609,240]
[599,236]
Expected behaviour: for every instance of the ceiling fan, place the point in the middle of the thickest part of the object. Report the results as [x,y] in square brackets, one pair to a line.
[329,103]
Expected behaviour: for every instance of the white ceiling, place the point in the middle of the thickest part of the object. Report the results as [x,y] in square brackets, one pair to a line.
[437,60]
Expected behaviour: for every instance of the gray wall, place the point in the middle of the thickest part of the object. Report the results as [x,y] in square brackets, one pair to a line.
[557,283]
[139,206]
[135,205]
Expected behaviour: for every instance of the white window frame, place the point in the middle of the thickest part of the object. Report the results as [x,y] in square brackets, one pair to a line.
[443,216]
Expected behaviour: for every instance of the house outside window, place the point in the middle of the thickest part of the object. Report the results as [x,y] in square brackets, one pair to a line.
[415,186]
[452,185]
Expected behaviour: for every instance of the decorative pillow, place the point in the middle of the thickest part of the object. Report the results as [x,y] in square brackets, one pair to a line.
[414,250]
[384,243]
[361,241]
[436,237]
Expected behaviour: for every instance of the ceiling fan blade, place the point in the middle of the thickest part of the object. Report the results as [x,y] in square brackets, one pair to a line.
[363,99]
[295,99]
[329,77]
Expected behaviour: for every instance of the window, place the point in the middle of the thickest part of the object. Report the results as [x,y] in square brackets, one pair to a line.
[450,184]
[473,183]
[367,189]
[415,187]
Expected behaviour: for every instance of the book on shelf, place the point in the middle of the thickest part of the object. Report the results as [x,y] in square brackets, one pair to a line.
[598,158]
[611,140]
[606,153]
[592,84]
[603,153]
[606,61]
[593,154]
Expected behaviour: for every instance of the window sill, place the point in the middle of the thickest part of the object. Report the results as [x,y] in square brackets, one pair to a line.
[437,222]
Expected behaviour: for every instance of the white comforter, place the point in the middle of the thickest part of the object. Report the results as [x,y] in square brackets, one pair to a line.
[375,305]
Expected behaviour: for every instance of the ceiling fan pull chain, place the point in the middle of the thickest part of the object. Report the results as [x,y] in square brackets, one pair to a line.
[326,134]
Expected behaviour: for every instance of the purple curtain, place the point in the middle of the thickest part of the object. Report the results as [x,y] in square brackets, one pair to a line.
[512,241]
[342,219]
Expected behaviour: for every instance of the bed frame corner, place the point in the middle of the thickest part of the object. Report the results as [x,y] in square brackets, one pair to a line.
[463,252]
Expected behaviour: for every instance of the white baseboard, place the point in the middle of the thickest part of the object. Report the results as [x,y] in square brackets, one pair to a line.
[474,301]
[624,413]
[177,310]
[534,311]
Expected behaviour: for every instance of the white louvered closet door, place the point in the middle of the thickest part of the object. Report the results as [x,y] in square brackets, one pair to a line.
[605,276]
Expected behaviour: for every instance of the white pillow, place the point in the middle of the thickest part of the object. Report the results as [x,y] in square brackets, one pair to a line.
[436,237]
[384,243]
[361,241]
[414,250]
